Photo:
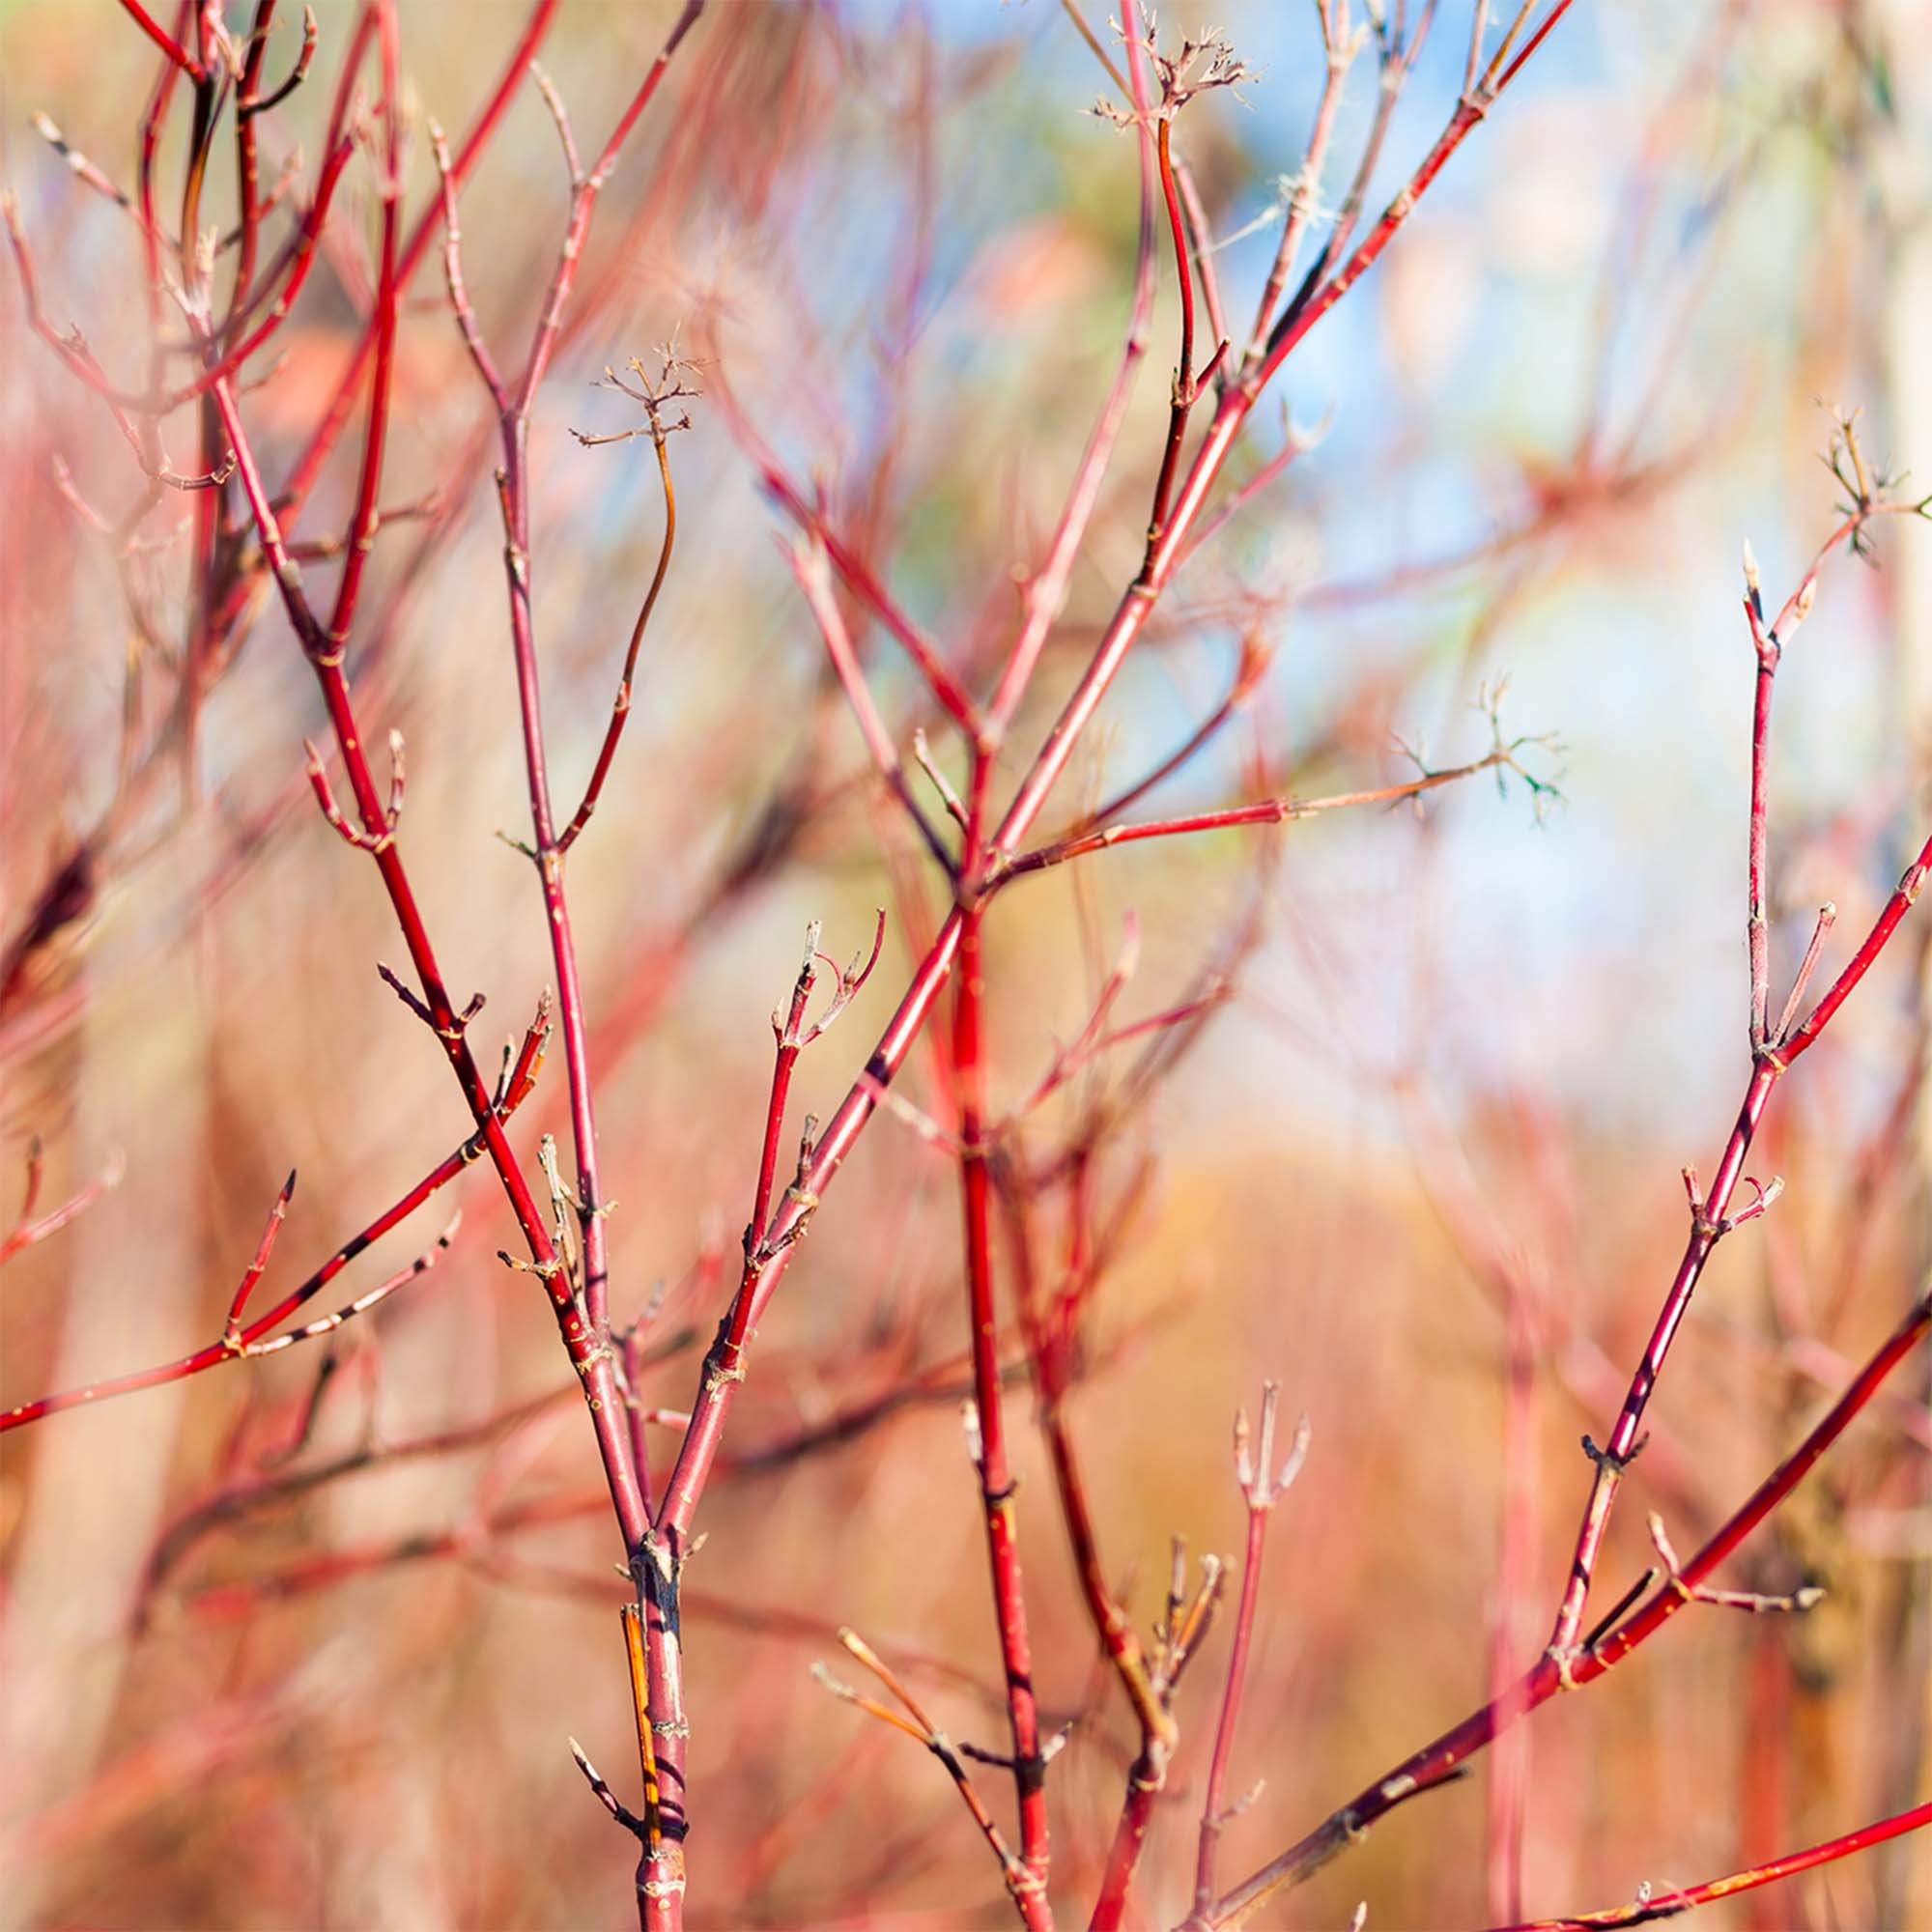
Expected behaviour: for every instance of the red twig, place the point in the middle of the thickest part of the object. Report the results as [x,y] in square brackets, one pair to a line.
[1444,1757]
[1046,593]
[389,190]
[1301,315]
[1199,254]
[1650,1906]
[790,1032]
[1305,194]
[1113,1627]
[1020,1882]
[247,230]
[248,104]
[1294,443]
[363,1303]
[1197,67]
[238,1341]
[620,708]
[231,1329]
[1185,386]
[1268,810]
[988,1445]
[513,402]
[591,1355]
[308,468]
[1261,1485]
[1186,1626]
[712,1410]
[1711,1215]
[768,1238]
[26,1232]
[164,40]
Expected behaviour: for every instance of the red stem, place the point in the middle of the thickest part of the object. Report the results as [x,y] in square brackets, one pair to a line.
[1212,1810]
[230,1349]
[1263,811]
[995,1473]
[547,847]
[1707,1227]
[164,40]
[1124,1853]
[712,1408]
[620,709]
[1306,193]
[1757,930]
[308,468]
[791,1037]
[814,581]
[1300,316]
[940,679]
[1047,1356]
[249,215]
[1184,387]
[1861,963]
[1668,1904]
[26,1232]
[152,120]
[655,1564]
[362,522]
[1772,1057]
[1439,1760]
[1046,592]
[593,1361]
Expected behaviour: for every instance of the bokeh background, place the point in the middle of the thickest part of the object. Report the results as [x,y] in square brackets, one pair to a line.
[1467,1051]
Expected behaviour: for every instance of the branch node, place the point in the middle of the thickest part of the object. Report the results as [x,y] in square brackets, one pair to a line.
[1607,1460]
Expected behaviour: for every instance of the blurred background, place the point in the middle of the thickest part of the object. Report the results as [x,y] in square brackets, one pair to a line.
[282,1649]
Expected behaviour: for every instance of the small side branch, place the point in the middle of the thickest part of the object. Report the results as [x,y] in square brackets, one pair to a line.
[1773,1050]
[1504,756]
[1026,1892]
[1179,1638]
[26,1232]
[1046,593]
[606,1797]
[165,41]
[1261,1485]
[370,840]
[652,395]
[1806,1597]
[363,1303]
[1197,67]
[238,1341]
[230,1330]
[251,106]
